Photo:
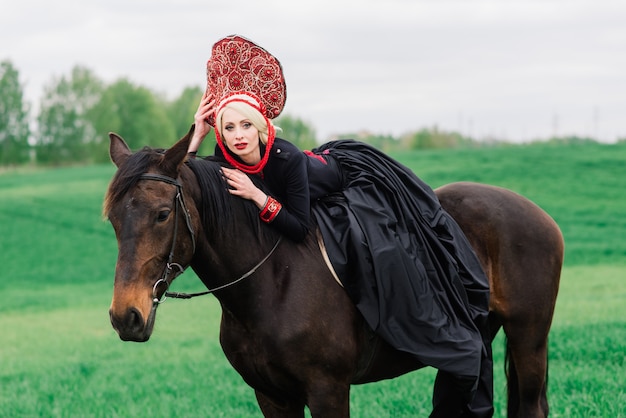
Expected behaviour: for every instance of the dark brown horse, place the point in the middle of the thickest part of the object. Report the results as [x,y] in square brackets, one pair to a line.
[287,327]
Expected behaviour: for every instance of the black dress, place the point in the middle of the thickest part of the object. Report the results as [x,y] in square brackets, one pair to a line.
[295,180]
[403,260]
[406,264]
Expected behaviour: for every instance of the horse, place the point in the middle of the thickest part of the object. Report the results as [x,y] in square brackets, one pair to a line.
[287,327]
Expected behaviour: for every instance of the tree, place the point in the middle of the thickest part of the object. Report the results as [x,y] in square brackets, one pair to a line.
[65,132]
[435,138]
[14,128]
[136,114]
[182,110]
[297,131]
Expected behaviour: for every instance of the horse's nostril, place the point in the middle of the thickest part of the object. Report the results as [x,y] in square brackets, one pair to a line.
[134,319]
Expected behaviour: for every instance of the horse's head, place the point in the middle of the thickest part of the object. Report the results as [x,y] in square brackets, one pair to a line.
[145,204]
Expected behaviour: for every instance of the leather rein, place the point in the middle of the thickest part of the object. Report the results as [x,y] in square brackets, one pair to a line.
[172,269]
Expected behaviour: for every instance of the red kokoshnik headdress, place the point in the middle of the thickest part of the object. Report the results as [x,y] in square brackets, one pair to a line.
[240,70]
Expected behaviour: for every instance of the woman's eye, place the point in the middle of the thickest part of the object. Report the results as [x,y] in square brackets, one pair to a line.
[247,125]
[163,215]
[228,128]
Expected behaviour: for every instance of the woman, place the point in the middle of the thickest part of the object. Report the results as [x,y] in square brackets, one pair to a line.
[402,259]
[245,138]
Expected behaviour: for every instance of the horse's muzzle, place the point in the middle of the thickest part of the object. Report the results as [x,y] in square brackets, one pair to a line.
[131,325]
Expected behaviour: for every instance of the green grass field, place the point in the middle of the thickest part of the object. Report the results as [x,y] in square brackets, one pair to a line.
[59,356]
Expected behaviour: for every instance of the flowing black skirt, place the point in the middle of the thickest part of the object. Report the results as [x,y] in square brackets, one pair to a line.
[404,261]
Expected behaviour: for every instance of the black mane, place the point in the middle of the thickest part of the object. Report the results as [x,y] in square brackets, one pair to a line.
[218,208]
[128,175]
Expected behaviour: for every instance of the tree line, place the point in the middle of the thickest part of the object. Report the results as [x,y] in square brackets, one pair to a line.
[78,110]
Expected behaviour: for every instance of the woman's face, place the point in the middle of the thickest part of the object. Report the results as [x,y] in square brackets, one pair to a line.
[240,136]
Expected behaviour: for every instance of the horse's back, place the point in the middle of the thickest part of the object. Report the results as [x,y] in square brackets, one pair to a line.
[520,246]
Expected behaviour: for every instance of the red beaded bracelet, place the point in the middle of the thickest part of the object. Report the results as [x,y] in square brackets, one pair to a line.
[270,210]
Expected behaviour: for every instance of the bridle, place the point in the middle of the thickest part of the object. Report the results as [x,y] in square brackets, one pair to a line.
[172,269]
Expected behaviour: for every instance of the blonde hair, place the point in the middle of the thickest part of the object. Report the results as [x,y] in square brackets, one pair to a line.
[247,107]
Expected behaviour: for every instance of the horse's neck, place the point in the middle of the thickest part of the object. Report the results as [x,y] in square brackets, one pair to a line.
[222,263]
[232,261]
[245,280]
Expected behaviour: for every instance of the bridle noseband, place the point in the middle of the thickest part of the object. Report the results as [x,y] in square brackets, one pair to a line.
[173,270]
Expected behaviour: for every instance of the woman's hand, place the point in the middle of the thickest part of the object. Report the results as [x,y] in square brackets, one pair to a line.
[202,127]
[242,186]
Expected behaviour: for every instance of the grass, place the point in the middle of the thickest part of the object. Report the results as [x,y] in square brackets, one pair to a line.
[69,362]
[580,185]
[59,356]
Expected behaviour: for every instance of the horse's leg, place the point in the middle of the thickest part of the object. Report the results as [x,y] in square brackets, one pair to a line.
[271,409]
[527,326]
[325,401]
[528,365]
[329,399]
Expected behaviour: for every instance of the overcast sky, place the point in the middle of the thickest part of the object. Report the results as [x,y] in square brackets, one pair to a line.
[517,70]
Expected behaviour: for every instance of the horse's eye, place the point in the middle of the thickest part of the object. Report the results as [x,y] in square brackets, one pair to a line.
[163,215]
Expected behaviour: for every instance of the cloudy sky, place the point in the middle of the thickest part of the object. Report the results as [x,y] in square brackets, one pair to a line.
[517,70]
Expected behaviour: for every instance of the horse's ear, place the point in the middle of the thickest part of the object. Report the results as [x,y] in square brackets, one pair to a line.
[118,150]
[175,156]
